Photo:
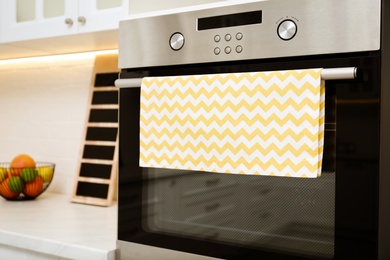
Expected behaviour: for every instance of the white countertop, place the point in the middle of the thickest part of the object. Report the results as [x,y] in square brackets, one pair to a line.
[53,225]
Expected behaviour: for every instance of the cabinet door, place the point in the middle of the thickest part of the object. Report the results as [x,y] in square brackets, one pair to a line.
[34,19]
[100,15]
[142,6]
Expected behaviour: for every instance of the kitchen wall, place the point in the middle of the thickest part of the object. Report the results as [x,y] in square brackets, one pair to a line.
[43,107]
[43,104]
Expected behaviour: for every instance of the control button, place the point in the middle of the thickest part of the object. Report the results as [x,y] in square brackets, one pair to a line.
[287,29]
[228,50]
[239,36]
[228,37]
[239,49]
[217,51]
[176,41]
[217,38]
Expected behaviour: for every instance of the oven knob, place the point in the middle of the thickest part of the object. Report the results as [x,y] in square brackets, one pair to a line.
[176,41]
[287,29]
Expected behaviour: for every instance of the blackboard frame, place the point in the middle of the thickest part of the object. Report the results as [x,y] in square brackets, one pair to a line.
[95,183]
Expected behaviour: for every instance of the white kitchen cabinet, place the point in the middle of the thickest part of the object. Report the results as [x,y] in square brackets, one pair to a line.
[47,27]
[142,6]
[36,19]
[101,15]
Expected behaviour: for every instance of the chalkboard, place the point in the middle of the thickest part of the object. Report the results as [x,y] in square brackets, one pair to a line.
[102,133]
[105,97]
[96,170]
[95,183]
[103,115]
[104,152]
[90,189]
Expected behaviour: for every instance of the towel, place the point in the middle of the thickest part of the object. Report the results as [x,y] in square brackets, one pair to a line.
[257,123]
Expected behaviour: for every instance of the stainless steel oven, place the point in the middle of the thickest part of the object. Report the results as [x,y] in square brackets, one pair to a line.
[166,213]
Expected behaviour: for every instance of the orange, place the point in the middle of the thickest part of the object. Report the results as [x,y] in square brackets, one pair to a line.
[5,191]
[21,161]
[33,188]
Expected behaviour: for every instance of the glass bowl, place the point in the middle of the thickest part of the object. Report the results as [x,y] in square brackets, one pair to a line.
[25,183]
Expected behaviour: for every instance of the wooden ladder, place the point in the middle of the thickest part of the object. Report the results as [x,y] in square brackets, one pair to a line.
[95,183]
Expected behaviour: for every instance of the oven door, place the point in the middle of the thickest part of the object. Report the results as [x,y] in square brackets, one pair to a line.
[248,217]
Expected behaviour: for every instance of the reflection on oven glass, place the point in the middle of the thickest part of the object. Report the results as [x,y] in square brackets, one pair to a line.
[276,213]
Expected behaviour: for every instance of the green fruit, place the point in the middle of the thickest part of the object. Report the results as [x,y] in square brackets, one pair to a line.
[16,184]
[3,174]
[28,174]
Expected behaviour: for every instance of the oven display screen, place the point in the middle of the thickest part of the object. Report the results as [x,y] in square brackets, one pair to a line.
[230,20]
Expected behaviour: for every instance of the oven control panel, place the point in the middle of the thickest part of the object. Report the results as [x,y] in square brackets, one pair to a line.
[247,30]
[230,42]
[227,43]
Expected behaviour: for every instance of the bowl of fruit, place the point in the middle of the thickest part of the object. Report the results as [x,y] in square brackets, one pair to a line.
[25,179]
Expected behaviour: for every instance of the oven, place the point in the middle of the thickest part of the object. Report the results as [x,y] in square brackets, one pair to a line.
[186,212]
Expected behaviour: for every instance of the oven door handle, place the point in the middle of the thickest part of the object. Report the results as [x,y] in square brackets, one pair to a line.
[128,83]
[327,74]
[339,73]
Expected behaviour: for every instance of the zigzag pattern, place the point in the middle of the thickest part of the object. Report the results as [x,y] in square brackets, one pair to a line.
[262,123]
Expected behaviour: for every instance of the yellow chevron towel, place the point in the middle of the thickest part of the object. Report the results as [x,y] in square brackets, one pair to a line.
[262,123]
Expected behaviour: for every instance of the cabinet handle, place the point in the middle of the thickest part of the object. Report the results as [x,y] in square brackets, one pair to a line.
[69,21]
[82,19]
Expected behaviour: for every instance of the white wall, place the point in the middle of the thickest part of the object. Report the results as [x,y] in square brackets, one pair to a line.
[43,107]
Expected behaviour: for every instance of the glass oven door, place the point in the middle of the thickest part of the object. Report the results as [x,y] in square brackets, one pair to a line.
[242,217]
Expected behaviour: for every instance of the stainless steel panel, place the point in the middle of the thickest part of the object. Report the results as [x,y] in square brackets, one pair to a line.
[330,26]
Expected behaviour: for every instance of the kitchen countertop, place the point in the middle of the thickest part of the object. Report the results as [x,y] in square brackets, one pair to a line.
[53,225]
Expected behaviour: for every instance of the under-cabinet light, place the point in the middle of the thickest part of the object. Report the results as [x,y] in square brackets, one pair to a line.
[59,57]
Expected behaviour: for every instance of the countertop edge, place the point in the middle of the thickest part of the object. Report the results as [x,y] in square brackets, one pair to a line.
[54,248]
